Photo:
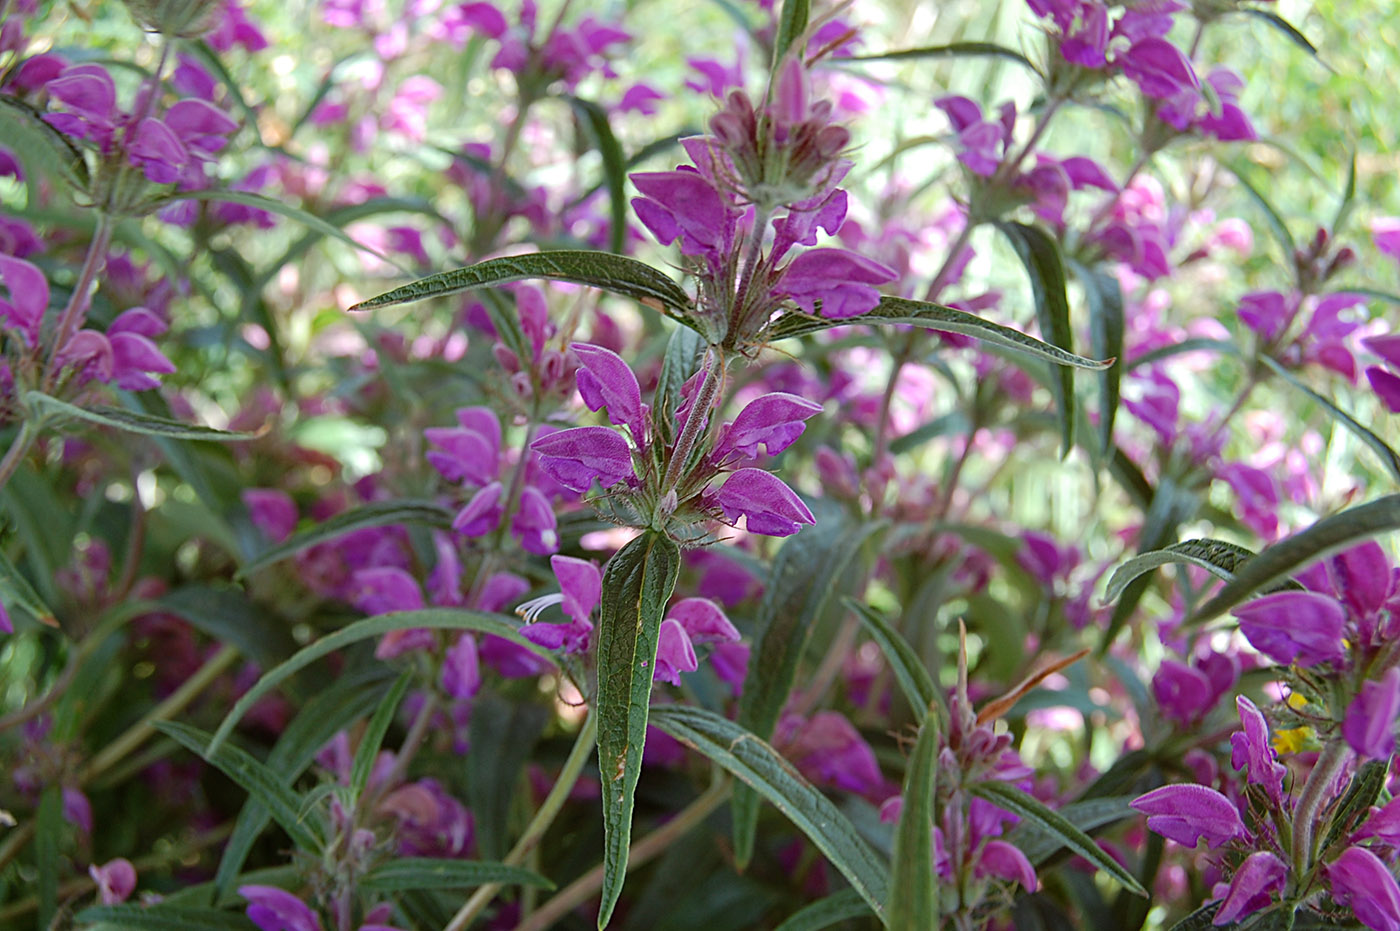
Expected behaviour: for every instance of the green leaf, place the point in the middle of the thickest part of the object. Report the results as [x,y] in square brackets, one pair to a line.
[810,568]
[615,273]
[1040,845]
[914,680]
[1329,535]
[1339,219]
[1195,344]
[951,50]
[427,873]
[130,421]
[228,615]
[614,167]
[502,735]
[1388,457]
[1285,27]
[792,23]
[431,618]
[161,918]
[280,208]
[845,905]
[1004,795]
[1171,506]
[1271,216]
[636,586]
[16,592]
[43,150]
[255,778]
[1218,557]
[913,891]
[1041,256]
[47,835]
[1364,791]
[898,310]
[1105,341]
[753,762]
[685,353]
[1202,919]
[350,698]
[373,739]
[373,514]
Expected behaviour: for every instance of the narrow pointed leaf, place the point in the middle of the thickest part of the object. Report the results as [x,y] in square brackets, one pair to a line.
[1194,344]
[254,777]
[1271,215]
[1384,452]
[373,514]
[1088,815]
[792,23]
[1218,557]
[685,352]
[1363,792]
[811,568]
[951,50]
[432,618]
[756,764]
[913,891]
[845,905]
[595,118]
[1007,796]
[914,680]
[16,592]
[1283,26]
[1171,506]
[427,873]
[49,825]
[1339,220]
[373,739]
[1324,538]
[1041,256]
[43,150]
[637,583]
[1105,341]
[130,421]
[615,273]
[133,917]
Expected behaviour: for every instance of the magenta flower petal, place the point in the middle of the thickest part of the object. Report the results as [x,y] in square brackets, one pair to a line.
[841,281]
[1159,69]
[385,589]
[1362,578]
[1254,886]
[1005,861]
[272,511]
[138,320]
[605,380]
[675,653]
[116,880]
[1182,693]
[201,126]
[703,620]
[1187,813]
[1369,725]
[273,909]
[534,524]
[1289,626]
[580,583]
[769,505]
[1250,747]
[28,297]
[683,205]
[157,151]
[461,670]
[1361,880]
[482,514]
[773,421]
[133,357]
[961,111]
[1383,383]
[1387,347]
[576,458]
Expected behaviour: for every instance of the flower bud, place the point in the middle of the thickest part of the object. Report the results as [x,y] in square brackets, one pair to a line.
[183,19]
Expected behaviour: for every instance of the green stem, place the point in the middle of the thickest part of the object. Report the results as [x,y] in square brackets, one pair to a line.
[699,416]
[413,740]
[80,299]
[1314,797]
[587,885]
[24,441]
[539,824]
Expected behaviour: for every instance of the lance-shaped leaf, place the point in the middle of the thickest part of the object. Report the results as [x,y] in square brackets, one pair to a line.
[1387,455]
[160,917]
[614,273]
[823,913]
[1004,795]
[898,310]
[427,873]
[813,566]
[636,586]
[368,751]
[951,50]
[1105,341]
[16,592]
[129,421]
[1041,256]
[373,514]
[1285,27]
[48,833]
[1218,557]
[914,680]
[43,149]
[595,119]
[761,768]
[913,890]
[1194,344]
[254,777]
[1271,215]
[1170,507]
[1329,535]
[1088,815]
[432,618]
[792,23]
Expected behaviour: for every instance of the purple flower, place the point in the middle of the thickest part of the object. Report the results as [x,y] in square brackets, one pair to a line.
[272,511]
[1386,386]
[1182,693]
[1266,313]
[683,205]
[605,380]
[703,621]
[157,151]
[273,909]
[7,626]
[1187,813]
[1254,886]
[675,653]
[1360,880]
[578,457]
[77,810]
[90,101]
[134,355]
[461,671]
[769,505]
[829,751]
[202,127]
[1382,824]
[534,524]
[1250,747]
[28,297]
[1005,861]
[1362,578]
[580,583]
[1159,69]
[482,514]
[1289,626]
[116,880]
[774,421]
[470,452]
[841,281]
[1369,725]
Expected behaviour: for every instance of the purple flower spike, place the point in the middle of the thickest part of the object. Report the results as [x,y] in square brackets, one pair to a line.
[1005,861]
[675,653]
[1187,813]
[703,621]
[605,380]
[772,508]
[842,281]
[273,909]
[1360,880]
[1369,726]
[576,458]
[1250,747]
[774,421]
[482,514]
[1289,626]
[1254,886]
[580,583]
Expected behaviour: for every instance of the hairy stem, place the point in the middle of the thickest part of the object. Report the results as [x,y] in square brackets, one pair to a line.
[1315,796]
[81,298]
[699,416]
